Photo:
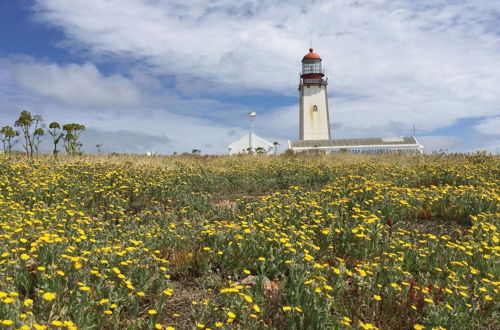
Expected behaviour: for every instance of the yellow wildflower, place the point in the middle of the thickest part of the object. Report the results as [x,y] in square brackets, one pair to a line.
[49,296]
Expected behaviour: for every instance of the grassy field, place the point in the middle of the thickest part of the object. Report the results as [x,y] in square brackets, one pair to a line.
[317,242]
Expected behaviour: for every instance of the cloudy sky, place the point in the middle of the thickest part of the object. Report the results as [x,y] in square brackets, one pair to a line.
[168,75]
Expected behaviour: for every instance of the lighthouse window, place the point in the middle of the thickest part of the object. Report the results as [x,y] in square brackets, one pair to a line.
[308,68]
[315,108]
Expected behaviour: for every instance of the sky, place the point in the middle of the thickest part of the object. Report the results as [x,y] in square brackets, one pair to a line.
[171,76]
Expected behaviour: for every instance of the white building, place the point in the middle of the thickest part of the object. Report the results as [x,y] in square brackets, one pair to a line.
[402,144]
[314,119]
[252,141]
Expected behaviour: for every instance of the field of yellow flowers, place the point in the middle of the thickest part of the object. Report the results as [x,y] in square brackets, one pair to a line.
[250,242]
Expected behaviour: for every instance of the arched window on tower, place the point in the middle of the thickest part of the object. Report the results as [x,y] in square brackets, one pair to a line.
[315,108]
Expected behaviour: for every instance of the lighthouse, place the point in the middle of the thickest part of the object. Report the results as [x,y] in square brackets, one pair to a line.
[314,121]
[314,118]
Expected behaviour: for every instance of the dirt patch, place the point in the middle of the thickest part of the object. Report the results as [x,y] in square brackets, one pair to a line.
[226,204]
[178,310]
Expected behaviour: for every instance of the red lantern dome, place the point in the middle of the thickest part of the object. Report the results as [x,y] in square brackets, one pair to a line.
[311,55]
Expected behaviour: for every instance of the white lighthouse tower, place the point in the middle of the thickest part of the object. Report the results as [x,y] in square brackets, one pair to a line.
[314,118]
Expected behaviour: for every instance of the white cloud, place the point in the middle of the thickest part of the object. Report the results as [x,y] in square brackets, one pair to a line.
[492,147]
[146,129]
[162,122]
[125,141]
[75,84]
[441,143]
[489,126]
[391,63]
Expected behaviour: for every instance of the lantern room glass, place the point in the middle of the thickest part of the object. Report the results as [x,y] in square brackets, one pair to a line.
[311,67]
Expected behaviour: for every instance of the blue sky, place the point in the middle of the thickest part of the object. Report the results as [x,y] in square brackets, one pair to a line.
[168,75]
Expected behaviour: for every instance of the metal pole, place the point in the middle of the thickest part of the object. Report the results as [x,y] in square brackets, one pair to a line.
[251,115]
[251,134]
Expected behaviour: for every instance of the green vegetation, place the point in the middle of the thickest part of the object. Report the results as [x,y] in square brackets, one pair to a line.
[32,131]
[284,242]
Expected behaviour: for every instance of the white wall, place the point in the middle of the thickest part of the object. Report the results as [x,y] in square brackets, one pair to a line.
[315,125]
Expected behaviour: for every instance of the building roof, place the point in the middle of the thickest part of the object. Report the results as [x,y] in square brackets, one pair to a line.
[311,55]
[243,143]
[348,143]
